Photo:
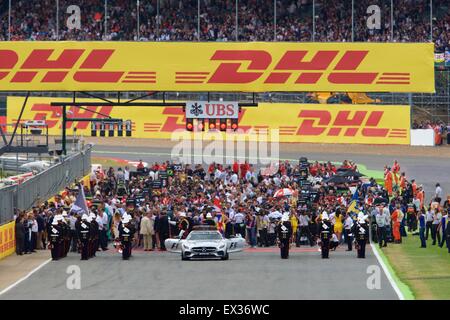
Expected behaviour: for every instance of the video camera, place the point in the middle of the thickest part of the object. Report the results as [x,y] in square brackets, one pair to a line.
[308,196]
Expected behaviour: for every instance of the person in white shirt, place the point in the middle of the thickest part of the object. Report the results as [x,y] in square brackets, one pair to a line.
[435,234]
[126,174]
[239,226]
[34,232]
[438,192]
[428,222]
[234,178]
[348,225]
[102,220]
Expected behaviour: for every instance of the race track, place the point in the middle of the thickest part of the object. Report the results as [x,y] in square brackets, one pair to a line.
[253,274]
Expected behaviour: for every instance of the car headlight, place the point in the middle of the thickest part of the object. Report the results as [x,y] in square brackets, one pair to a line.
[185,247]
[222,246]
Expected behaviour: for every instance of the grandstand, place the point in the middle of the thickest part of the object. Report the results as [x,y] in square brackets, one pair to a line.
[247,20]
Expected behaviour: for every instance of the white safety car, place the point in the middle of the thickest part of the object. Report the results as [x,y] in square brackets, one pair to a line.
[201,244]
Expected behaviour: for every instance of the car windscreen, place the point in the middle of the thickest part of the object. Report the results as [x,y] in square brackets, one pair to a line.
[204,236]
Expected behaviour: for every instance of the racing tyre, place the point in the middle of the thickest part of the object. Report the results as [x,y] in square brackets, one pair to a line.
[225,257]
[183,257]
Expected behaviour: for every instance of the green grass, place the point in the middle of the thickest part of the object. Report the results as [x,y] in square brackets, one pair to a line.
[425,270]
[378,175]
[106,162]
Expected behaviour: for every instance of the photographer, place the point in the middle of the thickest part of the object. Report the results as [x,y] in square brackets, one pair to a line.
[304,230]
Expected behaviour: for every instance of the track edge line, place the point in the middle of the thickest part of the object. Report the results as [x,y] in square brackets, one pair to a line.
[25,277]
[402,290]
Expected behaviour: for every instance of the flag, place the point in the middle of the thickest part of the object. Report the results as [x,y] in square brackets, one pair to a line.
[353,206]
[80,206]
[220,224]
[217,205]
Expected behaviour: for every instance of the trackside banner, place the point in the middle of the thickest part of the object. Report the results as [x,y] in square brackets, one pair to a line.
[249,66]
[337,123]
[7,239]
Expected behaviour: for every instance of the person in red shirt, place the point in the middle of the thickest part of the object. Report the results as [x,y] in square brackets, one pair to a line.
[155,167]
[396,167]
[314,169]
[396,225]
[388,179]
[140,165]
[402,182]
[421,196]
[244,168]
[414,187]
[236,167]
[211,168]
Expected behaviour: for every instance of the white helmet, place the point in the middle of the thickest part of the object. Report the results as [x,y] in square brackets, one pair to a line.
[324,215]
[182,214]
[126,219]
[84,217]
[285,217]
[360,215]
[208,215]
[362,220]
[64,213]
[55,221]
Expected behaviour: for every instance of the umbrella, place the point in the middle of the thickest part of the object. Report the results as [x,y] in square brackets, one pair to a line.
[337,179]
[350,173]
[285,192]
[380,200]
[275,215]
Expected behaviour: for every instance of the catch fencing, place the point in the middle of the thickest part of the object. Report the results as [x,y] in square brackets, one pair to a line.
[44,185]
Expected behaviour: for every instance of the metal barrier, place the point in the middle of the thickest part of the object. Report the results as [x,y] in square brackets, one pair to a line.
[44,185]
[7,204]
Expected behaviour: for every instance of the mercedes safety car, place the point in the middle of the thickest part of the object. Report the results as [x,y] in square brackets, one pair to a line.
[205,243]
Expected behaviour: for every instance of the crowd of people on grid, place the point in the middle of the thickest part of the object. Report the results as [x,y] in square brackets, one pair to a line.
[239,199]
[176,20]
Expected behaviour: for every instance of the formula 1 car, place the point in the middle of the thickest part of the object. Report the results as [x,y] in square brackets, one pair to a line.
[201,244]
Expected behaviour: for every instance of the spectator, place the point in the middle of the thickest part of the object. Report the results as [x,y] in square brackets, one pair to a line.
[20,234]
[147,230]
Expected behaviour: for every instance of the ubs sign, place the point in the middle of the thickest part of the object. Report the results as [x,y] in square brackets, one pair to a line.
[212,109]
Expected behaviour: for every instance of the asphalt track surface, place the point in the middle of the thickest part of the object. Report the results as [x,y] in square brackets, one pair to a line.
[253,274]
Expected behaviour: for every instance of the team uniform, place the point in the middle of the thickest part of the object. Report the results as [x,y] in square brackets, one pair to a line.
[126,234]
[83,229]
[284,233]
[325,233]
[361,236]
[55,238]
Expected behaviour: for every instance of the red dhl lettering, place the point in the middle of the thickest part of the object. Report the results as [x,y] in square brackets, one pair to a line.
[308,66]
[89,71]
[52,115]
[318,122]
[259,61]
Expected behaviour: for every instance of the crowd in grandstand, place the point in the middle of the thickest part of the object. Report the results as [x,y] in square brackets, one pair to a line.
[242,200]
[177,21]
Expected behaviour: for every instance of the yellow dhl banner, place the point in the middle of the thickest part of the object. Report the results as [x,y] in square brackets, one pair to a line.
[7,239]
[336,123]
[249,66]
